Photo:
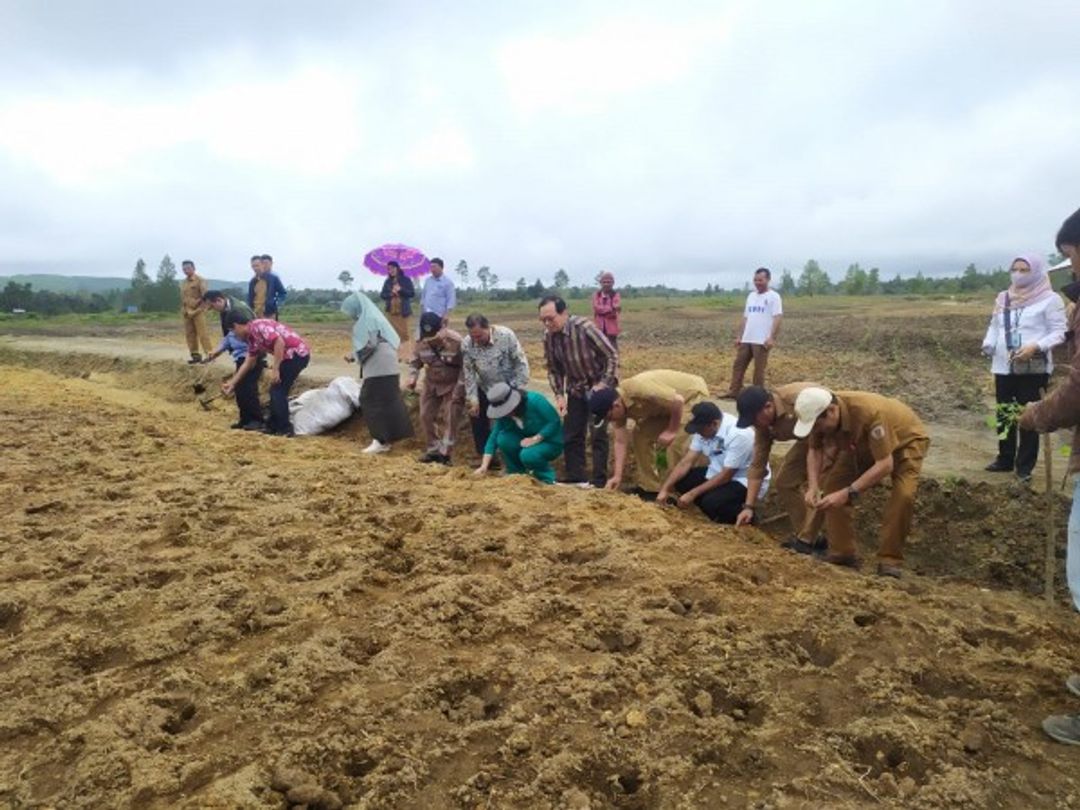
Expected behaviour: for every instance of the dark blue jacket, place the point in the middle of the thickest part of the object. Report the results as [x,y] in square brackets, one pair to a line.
[275,293]
[408,291]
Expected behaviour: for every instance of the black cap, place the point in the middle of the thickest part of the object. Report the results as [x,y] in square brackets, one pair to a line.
[600,402]
[430,323]
[749,404]
[705,413]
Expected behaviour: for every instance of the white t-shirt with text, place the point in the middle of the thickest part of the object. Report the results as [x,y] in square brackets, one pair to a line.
[760,310]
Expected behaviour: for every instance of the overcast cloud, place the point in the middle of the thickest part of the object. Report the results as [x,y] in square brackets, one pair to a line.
[687,142]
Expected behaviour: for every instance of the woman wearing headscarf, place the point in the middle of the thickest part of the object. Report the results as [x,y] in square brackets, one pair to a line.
[1028,321]
[375,344]
[526,430]
[398,292]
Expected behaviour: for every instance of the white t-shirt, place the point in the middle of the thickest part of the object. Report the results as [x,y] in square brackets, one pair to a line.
[731,447]
[760,310]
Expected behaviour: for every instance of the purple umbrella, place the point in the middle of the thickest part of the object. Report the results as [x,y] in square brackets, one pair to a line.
[412,262]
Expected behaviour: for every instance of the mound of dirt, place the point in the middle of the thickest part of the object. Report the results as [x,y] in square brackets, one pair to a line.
[195,617]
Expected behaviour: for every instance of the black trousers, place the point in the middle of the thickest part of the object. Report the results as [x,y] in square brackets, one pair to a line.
[247,394]
[720,505]
[481,425]
[279,395]
[1020,388]
[576,427]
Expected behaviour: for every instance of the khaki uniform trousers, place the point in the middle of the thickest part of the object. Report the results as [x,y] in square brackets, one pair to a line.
[644,448]
[789,483]
[743,354]
[895,521]
[440,415]
[197,333]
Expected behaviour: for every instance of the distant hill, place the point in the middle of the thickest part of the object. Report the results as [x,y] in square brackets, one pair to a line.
[91,284]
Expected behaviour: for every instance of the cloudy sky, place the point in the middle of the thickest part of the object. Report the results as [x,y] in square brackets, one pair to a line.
[678,141]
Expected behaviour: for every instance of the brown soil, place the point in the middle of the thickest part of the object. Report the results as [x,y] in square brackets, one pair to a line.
[197,618]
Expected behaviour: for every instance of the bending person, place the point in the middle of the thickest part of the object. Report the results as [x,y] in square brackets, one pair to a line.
[526,429]
[291,356]
[374,344]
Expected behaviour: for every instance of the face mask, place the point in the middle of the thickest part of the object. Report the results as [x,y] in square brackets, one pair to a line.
[1023,279]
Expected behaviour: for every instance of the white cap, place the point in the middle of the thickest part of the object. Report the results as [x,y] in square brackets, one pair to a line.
[809,405]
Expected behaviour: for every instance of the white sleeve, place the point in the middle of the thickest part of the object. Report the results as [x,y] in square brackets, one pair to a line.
[778,304]
[1054,318]
[740,449]
[696,445]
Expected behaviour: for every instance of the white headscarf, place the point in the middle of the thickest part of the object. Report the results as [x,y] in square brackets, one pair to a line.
[369,322]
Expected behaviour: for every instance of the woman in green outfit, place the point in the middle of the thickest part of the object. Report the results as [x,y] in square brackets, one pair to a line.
[526,429]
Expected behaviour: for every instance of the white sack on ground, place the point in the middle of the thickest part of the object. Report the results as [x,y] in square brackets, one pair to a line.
[320,409]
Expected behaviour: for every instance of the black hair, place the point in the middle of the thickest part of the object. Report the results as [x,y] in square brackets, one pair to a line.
[476,319]
[213,295]
[439,262]
[766,271]
[519,409]
[256,258]
[235,317]
[266,257]
[1069,234]
[560,305]
[394,265]
[187,262]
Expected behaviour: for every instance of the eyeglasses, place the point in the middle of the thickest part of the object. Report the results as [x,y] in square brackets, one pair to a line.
[546,319]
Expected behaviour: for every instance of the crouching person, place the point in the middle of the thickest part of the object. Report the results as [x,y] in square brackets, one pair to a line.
[527,431]
[247,389]
[713,472]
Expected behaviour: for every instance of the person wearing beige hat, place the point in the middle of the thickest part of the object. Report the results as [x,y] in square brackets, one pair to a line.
[856,439]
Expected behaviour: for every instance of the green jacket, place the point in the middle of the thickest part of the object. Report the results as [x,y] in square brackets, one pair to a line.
[540,418]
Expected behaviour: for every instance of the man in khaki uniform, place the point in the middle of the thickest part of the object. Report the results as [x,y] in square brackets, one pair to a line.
[772,415]
[856,439]
[193,310]
[442,399]
[659,402]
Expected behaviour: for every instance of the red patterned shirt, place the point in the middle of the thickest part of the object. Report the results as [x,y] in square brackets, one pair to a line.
[263,334]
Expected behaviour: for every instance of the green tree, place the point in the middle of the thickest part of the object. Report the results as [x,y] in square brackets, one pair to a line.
[970,280]
[166,271]
[493,280]
[483,275]
[787,282]
[345,279]
[855,280]
[813,280]
[462,271]
[562,279]
[140,279]
[536,289]
[873,282]
[522,288]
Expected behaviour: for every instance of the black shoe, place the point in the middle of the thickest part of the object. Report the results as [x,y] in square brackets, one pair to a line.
[800,546]
[253,426]
[1024,478]
[443,459]
[195,360]
[237,426]
[430,457]
[997,465]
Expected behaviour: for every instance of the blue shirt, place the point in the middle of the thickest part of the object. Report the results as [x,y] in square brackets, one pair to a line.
[234,346]
[438,296]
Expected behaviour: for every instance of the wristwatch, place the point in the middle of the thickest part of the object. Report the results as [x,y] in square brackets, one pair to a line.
[852,494]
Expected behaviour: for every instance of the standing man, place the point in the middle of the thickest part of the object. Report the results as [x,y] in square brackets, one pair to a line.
[193,311]
[772,415]
[1061,408]
[492,354]
[606,307]
[757,333]
[442,399]
[438,295]
[857,439]
[266,293]
[713,473]
[579,359]
[659,402]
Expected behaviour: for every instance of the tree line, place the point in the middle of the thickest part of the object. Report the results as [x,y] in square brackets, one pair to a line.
[162,292]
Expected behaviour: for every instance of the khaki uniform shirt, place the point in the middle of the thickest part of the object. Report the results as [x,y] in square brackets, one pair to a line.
[260,297]
[781,430]
[651,393]
[441,355]
[191,293]
[873,426]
